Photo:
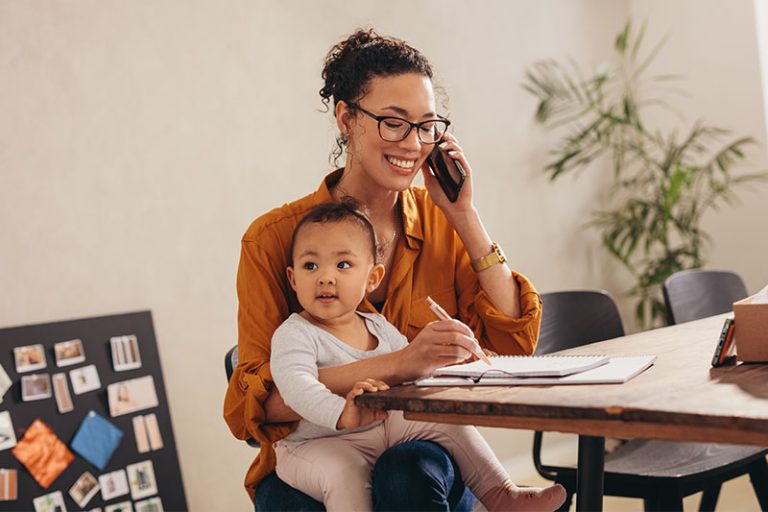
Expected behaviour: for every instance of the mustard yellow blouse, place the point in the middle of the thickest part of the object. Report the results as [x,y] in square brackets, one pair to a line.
[429,260]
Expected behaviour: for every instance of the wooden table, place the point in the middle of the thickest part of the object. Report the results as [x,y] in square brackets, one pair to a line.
[680,398]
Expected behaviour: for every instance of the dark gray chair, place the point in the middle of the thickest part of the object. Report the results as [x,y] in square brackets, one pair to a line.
[230,362]
[693,294]
[662,473]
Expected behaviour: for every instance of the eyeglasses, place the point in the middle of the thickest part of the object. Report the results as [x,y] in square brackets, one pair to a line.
[395,129]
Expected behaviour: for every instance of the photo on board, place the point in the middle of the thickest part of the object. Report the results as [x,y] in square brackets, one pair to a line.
[150,505]
[125,353]
[153,431]
[7,434]
[29,358]
[53,502]
[69,352]
[85,379]
[35,387]
[61,393]
[113,484]
[123,506]
[9,489]
[84,489]
[131,395]
[141,477]
[5,382]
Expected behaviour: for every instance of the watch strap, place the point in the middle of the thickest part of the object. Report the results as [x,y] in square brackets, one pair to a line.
[495,256]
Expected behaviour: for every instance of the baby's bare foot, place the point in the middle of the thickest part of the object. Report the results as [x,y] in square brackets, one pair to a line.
[525,499]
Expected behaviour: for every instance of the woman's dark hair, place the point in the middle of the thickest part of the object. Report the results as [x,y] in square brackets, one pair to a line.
[347,210]
[351,64]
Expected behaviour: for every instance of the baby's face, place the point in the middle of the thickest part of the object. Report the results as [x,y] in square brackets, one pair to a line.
[332,264]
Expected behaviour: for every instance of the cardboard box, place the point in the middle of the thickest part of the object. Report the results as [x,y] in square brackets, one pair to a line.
[751,318]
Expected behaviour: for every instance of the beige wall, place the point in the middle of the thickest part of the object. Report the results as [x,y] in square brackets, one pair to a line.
[715,48]
[138,139]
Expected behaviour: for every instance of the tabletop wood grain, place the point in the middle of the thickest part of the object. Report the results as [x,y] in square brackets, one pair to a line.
[681,397]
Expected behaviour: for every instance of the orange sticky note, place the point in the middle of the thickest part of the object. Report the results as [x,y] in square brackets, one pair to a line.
[42,453]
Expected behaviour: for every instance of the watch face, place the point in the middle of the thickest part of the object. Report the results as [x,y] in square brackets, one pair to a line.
[500,254]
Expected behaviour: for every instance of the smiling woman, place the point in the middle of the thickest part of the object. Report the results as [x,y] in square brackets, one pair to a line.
[384,106]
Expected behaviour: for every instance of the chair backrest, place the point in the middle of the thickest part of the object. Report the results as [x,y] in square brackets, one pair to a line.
[230,361]
[572,319]
[575,318]
[693,294]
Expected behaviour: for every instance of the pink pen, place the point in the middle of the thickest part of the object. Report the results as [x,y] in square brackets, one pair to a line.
[442,315]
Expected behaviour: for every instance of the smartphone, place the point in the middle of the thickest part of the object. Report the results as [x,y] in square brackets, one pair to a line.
[449,173]
[725,351]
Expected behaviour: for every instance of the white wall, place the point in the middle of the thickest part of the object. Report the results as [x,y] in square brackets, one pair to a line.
[713,44]
[138,140]
[761,25]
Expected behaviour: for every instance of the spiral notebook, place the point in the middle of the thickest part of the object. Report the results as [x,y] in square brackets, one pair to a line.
[617,371]
[523,366]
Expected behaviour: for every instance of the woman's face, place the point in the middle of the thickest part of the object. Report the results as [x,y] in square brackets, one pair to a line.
[389,165]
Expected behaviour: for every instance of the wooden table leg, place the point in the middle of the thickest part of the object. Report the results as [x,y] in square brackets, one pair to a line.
[589,476]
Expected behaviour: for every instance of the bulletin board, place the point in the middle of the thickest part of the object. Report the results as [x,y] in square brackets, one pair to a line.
[95,334]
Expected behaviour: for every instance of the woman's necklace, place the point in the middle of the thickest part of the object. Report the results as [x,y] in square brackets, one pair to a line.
[387,248]
[384,248]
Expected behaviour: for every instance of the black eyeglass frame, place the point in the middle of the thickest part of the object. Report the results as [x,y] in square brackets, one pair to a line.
[411,126]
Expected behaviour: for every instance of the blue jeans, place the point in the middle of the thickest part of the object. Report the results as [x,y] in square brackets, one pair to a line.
[417,475]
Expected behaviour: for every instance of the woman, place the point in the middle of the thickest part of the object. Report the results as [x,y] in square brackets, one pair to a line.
[384,106]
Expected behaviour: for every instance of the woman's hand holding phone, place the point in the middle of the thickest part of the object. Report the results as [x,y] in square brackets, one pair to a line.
[463,202]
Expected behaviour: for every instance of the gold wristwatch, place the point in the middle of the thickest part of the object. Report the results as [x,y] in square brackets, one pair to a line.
[495,256]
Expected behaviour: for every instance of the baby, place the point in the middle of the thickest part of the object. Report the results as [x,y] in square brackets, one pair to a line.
[330,455]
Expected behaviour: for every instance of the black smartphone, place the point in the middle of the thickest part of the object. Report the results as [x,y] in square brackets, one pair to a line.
[725,351]
[449,173]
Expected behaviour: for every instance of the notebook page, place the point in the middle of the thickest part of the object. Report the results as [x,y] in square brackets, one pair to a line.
[617,371]
[524,366]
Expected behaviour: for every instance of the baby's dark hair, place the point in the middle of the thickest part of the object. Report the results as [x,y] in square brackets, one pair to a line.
[351,64]
[347,210]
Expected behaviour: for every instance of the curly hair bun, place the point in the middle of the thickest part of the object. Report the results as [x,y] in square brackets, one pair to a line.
[351,63]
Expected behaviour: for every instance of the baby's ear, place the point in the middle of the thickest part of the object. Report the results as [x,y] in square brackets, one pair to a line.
[375,277]
[291,277]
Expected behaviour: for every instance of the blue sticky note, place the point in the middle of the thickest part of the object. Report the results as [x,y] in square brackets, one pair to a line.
[96,439]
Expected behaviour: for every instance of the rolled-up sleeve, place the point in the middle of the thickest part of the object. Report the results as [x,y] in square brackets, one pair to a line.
[495,330]
[262,308]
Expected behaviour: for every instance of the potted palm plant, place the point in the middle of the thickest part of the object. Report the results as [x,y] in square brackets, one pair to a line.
[663,183]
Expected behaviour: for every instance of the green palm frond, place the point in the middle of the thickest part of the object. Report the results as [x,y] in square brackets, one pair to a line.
[663,184]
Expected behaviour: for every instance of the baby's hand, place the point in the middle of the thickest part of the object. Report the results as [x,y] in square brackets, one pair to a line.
[353,416]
